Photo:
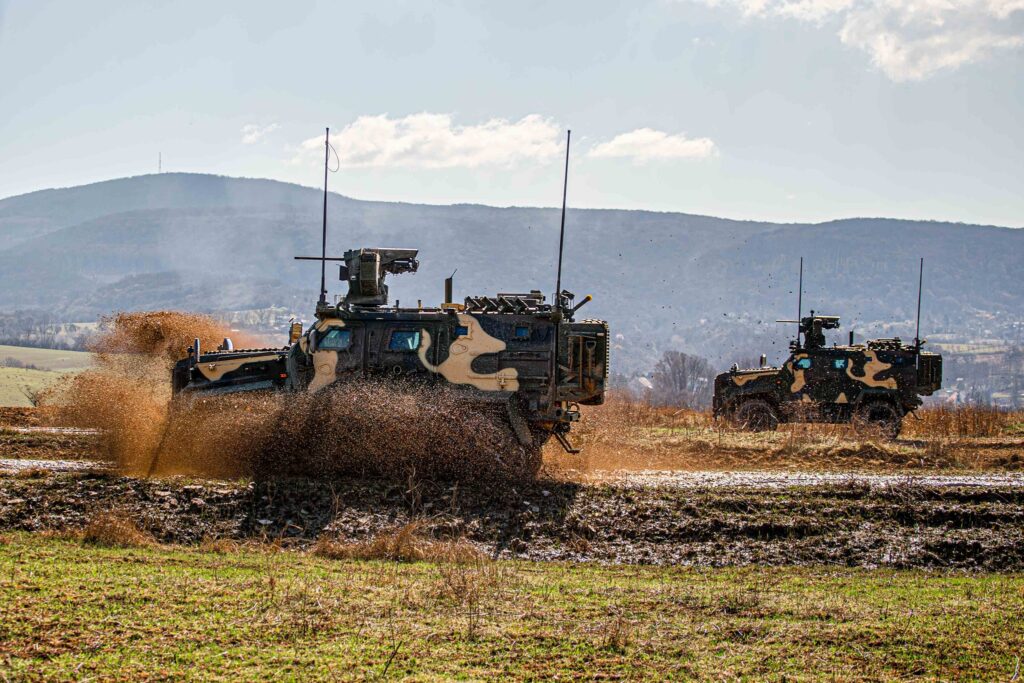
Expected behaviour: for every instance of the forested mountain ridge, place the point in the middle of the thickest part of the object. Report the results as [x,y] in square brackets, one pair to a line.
[703,284]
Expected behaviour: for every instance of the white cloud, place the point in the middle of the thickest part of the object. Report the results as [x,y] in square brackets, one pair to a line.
[911,40]
[646,144]
[908,39]
[253,132]
[433,141]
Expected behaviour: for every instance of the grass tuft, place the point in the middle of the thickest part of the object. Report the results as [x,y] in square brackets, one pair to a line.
[220,546]
[408,543]
[114,529]
[616,635]
[32,473]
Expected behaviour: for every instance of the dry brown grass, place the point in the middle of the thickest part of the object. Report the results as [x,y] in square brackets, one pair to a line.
[616,634]
[625,435]
[32,473]
[960,422]
[114,529]
[408,543]
[220,546]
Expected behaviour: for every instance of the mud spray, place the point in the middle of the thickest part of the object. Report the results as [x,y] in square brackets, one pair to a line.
[357,429]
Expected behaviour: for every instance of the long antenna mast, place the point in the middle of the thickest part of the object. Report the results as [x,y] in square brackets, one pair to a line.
[323,241]
[561,236]
[800,302]
[917,332]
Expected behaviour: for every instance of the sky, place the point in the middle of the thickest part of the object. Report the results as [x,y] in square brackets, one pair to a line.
[780,110]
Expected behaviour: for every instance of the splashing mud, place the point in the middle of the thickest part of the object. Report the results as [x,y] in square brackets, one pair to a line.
[126,394]
[367,428]
[378,429]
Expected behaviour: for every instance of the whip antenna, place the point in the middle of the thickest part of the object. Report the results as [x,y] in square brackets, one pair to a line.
[323,240]
[561,236]
[800,302]
[917,332]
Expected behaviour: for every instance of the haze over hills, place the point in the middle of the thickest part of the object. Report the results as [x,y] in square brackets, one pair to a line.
[707,285]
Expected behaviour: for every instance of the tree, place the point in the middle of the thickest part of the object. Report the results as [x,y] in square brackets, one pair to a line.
[681,379]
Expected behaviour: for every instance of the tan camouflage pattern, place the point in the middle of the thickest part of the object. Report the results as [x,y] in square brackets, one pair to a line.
[215,371]
[457,368]
[740,380]
[872,368]
[325,363]
[799,381]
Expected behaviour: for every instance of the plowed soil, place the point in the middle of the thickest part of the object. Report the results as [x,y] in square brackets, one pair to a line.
[942,514]
[863,523]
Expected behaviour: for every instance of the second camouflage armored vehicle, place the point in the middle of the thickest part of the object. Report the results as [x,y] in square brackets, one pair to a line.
[876,383]
[517,351]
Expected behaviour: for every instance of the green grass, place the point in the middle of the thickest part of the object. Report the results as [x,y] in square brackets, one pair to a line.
[69,611]
[17,385]
[47,359]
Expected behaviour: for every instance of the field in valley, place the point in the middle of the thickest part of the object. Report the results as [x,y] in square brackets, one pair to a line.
[26,371]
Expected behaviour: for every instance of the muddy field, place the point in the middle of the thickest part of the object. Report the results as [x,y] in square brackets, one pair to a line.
[651,488]
[896,522]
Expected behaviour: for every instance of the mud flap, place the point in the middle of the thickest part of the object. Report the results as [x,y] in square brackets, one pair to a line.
[518,423]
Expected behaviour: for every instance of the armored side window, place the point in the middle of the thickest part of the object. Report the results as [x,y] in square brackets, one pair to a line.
[337,339]
[404,340]
[522,332]
[803,363]
[461,331]
[839,363]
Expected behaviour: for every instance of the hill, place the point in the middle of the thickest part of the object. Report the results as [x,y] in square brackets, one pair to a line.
[703,284]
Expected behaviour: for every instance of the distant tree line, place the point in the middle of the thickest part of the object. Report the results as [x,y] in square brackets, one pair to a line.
[678,379]
[43,330]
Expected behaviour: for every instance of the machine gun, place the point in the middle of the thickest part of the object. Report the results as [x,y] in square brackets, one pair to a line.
[365,270]
[813,328]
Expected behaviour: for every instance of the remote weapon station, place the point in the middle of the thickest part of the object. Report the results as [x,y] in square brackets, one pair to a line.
[516,351]
[876,383]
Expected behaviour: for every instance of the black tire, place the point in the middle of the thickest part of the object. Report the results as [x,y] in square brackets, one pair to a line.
[756,415]
[878,417]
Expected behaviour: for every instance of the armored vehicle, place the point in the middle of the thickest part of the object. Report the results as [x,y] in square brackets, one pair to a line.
[514,350]
[876,383]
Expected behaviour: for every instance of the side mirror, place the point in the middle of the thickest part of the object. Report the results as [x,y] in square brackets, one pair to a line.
[294,332]
[312,340]
[764,360]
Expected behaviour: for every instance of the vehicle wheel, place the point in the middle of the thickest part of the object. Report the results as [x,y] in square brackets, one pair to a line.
[756,415]
[880,417]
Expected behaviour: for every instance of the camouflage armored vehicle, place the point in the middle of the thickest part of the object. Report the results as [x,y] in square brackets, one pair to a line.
[876,383]
[514,350]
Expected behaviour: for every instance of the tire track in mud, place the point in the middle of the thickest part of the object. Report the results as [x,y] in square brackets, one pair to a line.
[973,523]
